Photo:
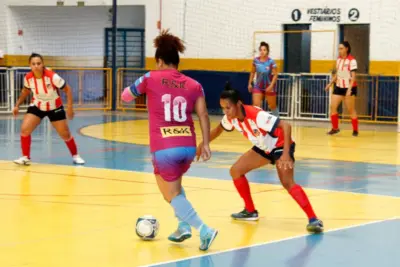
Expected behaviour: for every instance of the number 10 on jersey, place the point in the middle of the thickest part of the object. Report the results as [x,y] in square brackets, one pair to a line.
[179,105]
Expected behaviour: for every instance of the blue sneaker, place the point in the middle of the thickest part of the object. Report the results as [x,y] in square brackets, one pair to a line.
[207,236]
[183,232]
[315,226]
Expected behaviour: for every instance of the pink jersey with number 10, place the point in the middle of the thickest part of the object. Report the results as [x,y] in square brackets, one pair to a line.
[171,98]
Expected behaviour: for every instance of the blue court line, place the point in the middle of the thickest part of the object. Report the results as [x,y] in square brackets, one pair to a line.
[378,179]
[368,245]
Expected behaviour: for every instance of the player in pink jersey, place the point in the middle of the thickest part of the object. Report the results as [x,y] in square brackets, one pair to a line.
[172,97]
[45,85]
[273,144]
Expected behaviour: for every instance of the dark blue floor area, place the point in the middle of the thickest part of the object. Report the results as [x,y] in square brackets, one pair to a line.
[363,246]
[321,174]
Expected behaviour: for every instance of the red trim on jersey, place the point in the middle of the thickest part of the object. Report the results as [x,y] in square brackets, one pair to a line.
[58,102]
[44,84]
[29,76]
[350,57]
[47,106]
[241,127]
[36,87]
[38,104]
[50,74]
[343,61]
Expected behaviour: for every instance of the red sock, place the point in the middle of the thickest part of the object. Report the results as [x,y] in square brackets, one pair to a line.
[26,146]
[72,146]
[335,121]
[354,122]
[301,198]
[243,187]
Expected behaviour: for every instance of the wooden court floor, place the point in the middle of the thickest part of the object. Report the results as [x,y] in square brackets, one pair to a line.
[57,214]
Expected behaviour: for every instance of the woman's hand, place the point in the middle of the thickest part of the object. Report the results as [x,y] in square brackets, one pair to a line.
[250,88]
[285,162]
[15,111]
[70,113]
[203,151]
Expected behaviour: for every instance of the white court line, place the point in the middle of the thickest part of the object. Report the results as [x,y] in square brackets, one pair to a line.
[269,242]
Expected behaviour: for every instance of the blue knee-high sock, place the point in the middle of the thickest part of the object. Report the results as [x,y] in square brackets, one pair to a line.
[185,211]
[183,193]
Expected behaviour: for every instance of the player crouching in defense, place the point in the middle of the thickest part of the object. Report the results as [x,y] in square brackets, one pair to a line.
[273,144]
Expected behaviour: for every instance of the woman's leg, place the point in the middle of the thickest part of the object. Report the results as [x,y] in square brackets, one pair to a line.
[335,102]
[29,124]
[350,102]
[271,99]
[169,166]
[286,176]
[63,131]
[257,97]
[247,162]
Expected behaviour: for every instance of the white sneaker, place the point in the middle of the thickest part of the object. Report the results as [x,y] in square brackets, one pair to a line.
[78,160]
[24,160]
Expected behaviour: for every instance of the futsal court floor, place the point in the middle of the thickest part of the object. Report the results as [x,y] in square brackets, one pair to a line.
[55,214]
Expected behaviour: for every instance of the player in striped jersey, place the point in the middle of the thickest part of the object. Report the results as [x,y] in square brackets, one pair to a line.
[345,88]
[273,144]
[45,85]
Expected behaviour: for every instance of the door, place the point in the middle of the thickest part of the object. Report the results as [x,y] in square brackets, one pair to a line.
[297,48]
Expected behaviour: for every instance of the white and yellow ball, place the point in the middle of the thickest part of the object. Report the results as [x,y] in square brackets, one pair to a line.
[147,227]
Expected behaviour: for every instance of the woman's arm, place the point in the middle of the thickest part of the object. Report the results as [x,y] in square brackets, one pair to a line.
[251,77]
[201,110]
[332,82]
[274,79]
[70,110]
[24,94]
[352,82]
[217,131]
[252,73]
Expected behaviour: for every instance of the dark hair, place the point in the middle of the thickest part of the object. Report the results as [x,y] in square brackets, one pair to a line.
[168,48]
[265,45]
[33,55]
[230,93]
[347,45]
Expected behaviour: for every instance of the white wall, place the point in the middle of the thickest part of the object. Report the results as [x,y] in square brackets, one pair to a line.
[3,27]
[66,31]
[150,16]
[224,29]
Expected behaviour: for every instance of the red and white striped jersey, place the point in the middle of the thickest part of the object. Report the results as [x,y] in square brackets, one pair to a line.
[344,67]
[45,90]
[259,126]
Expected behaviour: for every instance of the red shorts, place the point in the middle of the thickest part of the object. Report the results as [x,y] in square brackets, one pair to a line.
[263,92]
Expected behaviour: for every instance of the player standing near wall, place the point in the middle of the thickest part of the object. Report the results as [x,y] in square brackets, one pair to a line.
[265,70]
[344,78]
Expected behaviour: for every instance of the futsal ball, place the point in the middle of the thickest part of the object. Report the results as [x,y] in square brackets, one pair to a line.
[147,227]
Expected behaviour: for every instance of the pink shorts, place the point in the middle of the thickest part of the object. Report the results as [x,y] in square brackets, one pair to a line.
[262,91]
[173,163]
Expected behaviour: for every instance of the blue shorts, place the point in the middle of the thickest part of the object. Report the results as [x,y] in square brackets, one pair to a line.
[172,163]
